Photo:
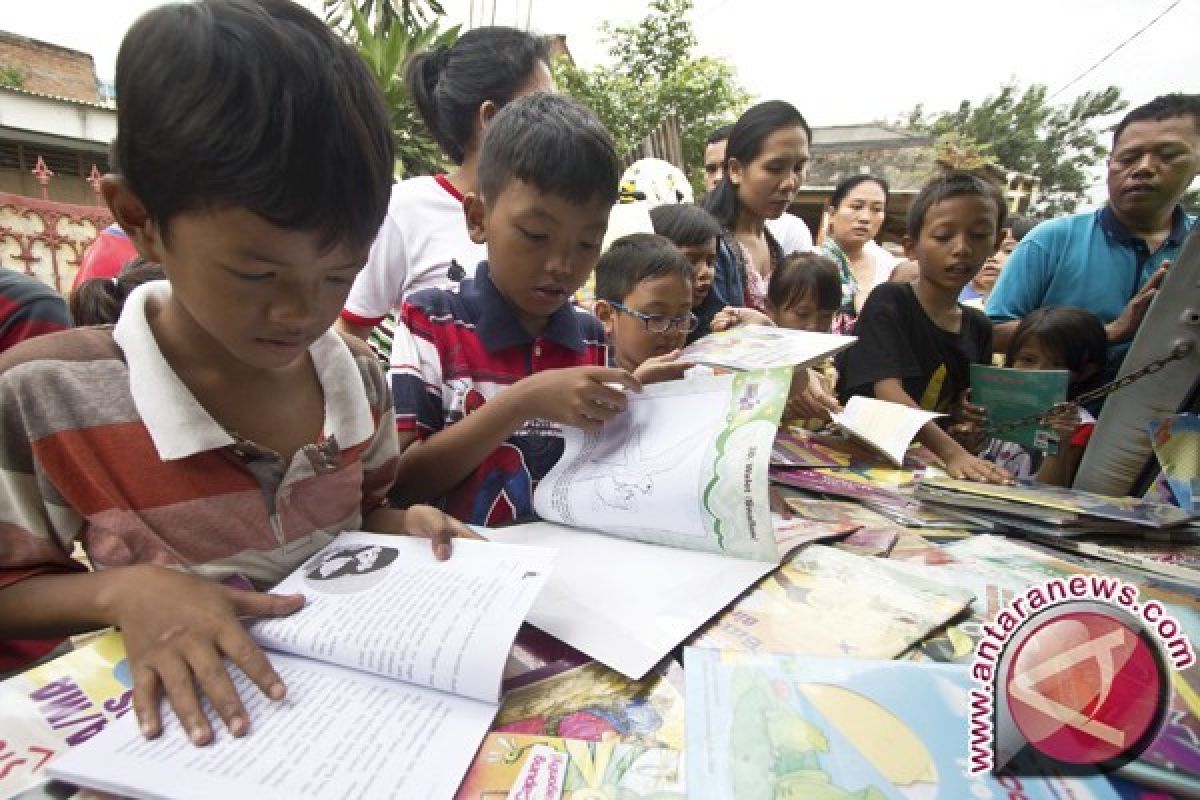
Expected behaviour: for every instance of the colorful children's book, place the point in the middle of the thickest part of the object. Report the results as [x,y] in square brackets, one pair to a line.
[775,725]
[1176,442]
[751,347]
[393,671]
[887,428]
[1173,559]
[802,449]
[1031,499]
[1010,394]
[886,491]
[825,601]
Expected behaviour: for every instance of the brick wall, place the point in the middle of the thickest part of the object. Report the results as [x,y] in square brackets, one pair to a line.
[49,68]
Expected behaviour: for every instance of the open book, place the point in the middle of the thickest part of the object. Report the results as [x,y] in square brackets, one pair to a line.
[393,671]
[748,347]
[887,428]
[662,518]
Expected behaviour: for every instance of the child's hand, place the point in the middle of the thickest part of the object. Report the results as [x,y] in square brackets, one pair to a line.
[968,423]
[808,398]
[582,397]
[436,526]
[1063,419]
[731,317]
[964,466]
[666,367]
[179,630]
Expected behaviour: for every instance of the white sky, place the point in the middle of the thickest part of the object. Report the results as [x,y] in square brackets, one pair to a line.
[838,62]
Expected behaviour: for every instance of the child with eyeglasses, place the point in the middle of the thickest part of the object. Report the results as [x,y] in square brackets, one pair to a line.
[644,302]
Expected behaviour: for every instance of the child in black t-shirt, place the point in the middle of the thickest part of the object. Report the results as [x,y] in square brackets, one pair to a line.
[916,342]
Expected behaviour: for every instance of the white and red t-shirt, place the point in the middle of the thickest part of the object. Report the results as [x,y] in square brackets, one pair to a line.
[423,232]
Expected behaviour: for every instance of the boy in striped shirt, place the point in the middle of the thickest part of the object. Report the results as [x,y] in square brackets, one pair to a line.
[220,434]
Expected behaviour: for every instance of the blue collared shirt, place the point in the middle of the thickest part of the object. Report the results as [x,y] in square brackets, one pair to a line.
[1089,261]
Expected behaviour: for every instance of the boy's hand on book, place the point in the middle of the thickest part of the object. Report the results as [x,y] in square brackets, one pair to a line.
[582,397]
[732,317]
[179,630]
[964,466]
[666,367]
[968,423]
[438,527]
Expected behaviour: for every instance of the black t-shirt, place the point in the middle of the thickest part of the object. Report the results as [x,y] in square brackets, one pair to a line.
[897,339]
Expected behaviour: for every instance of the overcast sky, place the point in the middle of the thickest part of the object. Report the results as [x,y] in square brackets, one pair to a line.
[838,62]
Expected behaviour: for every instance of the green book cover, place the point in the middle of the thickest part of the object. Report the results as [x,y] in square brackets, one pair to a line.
[1008,394]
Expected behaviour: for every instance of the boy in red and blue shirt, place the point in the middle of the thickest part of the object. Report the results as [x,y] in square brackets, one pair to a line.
[484,377]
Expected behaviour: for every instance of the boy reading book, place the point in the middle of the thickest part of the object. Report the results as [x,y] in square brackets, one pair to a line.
[219,433]
[916,342]
[484,376]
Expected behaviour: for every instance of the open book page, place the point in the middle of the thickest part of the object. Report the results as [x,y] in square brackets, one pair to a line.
[384,604]
[748,347]
[887,427]
[339,733]
[625,603]
[685,465]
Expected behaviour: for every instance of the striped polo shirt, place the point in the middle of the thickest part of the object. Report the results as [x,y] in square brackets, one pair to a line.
[102,443]
[455,351]
[28,308]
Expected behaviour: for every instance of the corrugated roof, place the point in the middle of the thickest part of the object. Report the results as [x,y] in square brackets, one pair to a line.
[61,99]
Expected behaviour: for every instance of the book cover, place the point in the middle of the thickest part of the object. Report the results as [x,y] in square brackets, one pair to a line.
[1009,394]
[751,347]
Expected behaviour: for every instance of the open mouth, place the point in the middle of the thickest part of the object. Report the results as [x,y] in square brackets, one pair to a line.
[551,294]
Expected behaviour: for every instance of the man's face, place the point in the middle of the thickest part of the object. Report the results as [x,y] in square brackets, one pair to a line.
[714,164]
[1152,165]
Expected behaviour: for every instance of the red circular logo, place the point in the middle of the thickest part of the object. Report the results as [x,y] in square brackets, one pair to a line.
[1085,688]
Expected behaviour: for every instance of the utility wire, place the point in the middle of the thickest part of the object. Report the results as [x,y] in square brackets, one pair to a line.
[1110,53]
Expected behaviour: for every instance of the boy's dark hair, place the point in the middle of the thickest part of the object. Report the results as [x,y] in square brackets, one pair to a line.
[1166,106]
[948,186]
[1074,336]
[685,224]
[848,185]
[745,143]
[449,83]
[256,105]
[99,301]
[635,258]
[553,143]
[719,135]
[1020,226]
[803,275]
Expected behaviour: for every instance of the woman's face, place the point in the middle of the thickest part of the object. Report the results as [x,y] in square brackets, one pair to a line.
[767,184]
[859,217]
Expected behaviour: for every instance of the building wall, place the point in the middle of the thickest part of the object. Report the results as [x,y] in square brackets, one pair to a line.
[903,168]
[49,68]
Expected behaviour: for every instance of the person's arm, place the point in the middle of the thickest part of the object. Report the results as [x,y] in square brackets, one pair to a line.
[582,397]
[178,630]
[959,463]
[40,314]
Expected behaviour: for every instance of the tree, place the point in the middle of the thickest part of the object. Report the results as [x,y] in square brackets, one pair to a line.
[1024,132]
[653,74]
[387,33]
[1191,201]
[12,76]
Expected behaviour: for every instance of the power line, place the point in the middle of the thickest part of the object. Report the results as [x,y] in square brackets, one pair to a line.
[1110,53]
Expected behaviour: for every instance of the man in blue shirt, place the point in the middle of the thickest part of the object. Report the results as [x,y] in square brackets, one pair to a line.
[1111,261]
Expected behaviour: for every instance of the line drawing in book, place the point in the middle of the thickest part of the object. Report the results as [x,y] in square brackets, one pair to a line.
[620,478]
[346,570]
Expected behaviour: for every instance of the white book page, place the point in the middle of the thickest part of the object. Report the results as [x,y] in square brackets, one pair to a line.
[748,347]
[685,465]
[339,733]
[624,603]
[384,604]
[888,427]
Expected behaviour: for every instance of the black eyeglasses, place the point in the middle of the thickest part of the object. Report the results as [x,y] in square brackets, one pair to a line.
[661,323]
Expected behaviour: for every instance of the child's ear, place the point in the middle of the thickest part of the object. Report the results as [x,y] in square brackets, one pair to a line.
[606,314]
[487,110]
[733,170]
[475,210]
[133,217]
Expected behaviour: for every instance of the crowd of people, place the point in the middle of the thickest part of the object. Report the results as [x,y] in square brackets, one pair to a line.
[219,421]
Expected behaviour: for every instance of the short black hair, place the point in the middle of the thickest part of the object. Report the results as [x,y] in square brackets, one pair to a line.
[1166,106]
[847,185]
[745,144]
[635,258]
[802,275]
[719,135]
[98,301]
[685,224]
[950,185]
[553,143]
[1020,225]
[252,104]
[1074,336]
[448,84]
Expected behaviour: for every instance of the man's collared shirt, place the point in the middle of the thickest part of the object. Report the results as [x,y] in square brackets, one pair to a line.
[459,348]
